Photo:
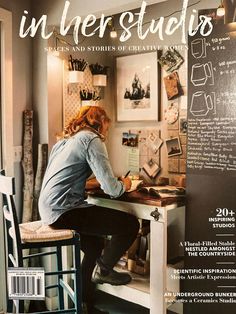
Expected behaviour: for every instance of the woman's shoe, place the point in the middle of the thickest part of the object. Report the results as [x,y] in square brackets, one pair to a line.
[111,277]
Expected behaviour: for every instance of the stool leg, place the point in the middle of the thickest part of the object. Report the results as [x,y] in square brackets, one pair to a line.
[17,306]
[60,276]
[21,306]
[77,281]
[9,306]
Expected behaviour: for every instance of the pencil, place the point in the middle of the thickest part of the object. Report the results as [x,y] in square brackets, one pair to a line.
[127,174]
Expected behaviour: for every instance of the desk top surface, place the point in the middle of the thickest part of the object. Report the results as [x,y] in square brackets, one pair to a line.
[141,198]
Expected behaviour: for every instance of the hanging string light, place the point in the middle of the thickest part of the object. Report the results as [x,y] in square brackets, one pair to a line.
[113,32]
[221,9]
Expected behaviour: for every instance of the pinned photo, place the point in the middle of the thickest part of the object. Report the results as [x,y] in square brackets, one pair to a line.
[173,147]
[173,86]
[130,139]
[151,168]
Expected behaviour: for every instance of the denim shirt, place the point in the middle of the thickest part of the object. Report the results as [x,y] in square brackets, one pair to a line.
[70,164]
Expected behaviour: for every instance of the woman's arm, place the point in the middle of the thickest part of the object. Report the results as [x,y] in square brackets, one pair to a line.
[99,163]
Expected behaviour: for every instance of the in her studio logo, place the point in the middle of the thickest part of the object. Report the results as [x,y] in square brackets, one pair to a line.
[128,21]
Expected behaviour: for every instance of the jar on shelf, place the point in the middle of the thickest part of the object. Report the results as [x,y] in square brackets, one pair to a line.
[88,103]
[76,76]
[99,80]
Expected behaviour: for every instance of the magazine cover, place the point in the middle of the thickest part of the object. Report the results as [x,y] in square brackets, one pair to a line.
[118,156]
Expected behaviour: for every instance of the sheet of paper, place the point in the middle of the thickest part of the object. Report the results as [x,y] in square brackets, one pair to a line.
[133,160]
[154,142]
[134,185]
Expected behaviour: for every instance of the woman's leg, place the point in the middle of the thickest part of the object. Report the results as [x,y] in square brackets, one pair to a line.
[102,221]
[94,222]
[123,235]
[92,247]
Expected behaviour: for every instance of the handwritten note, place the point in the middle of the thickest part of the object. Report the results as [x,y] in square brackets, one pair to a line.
[133,160]
[212,144]
[212,106]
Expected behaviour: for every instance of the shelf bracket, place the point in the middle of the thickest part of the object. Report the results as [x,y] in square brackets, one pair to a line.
[155,214]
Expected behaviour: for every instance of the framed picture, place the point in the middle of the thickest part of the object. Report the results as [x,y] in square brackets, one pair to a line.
[173,147]
[137,87]
[171,60]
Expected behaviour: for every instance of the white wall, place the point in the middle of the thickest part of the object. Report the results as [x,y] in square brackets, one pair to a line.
[22,79]
[54,8]
[40,90]
[22,66]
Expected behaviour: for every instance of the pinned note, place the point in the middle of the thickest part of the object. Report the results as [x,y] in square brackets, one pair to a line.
[133,160]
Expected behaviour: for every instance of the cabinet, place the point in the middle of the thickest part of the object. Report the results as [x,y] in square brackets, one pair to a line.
[166,232]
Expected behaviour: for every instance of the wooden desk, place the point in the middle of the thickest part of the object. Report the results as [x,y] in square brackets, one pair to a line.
[167,224]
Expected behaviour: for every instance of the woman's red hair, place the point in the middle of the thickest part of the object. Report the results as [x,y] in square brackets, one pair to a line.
[90,117]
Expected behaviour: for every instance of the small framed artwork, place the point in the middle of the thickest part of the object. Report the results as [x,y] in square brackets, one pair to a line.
[173,147]
[137,87]
[183,126]
[171,60]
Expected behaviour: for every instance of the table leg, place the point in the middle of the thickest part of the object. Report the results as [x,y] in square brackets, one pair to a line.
[158,267]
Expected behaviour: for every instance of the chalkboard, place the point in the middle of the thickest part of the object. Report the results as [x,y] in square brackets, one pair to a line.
[212,102]
[211,168]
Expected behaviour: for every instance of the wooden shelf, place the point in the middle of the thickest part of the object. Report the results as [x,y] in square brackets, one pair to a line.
[137,291]
[127,293]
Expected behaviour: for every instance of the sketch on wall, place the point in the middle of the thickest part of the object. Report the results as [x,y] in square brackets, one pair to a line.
[137,87]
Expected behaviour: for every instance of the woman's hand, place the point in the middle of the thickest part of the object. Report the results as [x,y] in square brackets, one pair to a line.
[127,183]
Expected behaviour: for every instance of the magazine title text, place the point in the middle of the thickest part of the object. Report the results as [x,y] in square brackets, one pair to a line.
[127,21]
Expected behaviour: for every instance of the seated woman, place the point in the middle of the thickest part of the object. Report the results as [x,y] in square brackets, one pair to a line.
[80,152]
